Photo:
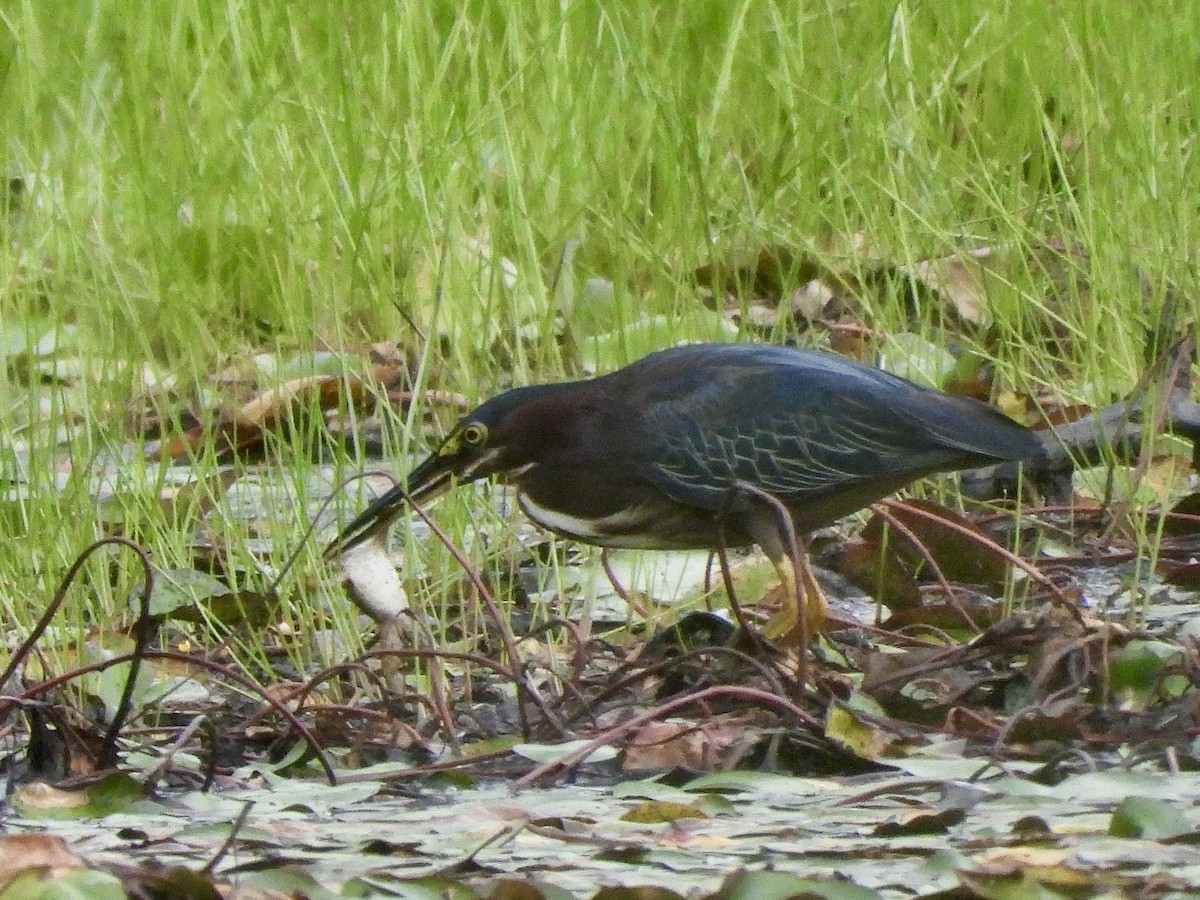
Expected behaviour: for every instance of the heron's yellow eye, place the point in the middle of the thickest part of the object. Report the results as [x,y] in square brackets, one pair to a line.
[474,434]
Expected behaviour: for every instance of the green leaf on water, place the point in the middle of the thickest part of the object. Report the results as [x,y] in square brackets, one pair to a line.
[1144,817]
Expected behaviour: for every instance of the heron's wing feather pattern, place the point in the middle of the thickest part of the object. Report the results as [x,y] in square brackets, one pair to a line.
[802,425]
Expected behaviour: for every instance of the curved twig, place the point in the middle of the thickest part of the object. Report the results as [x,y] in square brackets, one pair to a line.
[665,665]
[142,635]
[489,603]
[188,659]
[984,541]
[893,521]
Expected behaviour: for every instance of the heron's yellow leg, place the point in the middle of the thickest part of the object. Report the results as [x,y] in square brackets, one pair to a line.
[802,595]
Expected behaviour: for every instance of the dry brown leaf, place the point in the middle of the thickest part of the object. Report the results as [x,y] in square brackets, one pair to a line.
[267,410]
[961,279]
[272,406]
[22,852]
[811,300]
[943,534]
[692,745]
[40,795]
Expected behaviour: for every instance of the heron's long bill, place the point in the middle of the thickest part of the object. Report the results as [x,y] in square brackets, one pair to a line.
[426,482]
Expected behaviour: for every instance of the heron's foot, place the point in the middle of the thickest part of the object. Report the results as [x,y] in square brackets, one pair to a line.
[797,597]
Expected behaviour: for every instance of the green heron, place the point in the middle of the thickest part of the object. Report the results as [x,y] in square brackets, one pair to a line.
[678,450]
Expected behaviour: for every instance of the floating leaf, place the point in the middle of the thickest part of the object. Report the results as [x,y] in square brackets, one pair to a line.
[112,793]
[656,812]
[866,739]
[1145,817]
